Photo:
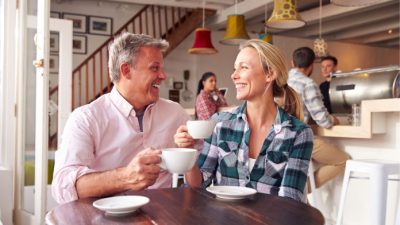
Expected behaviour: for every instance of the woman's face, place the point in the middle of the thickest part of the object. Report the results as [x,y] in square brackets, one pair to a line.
[210,84]
[248,76]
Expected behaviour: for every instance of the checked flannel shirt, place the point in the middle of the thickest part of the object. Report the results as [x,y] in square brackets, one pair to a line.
[281,167]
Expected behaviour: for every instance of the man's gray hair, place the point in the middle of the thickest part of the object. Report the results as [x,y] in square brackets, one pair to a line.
[125,48]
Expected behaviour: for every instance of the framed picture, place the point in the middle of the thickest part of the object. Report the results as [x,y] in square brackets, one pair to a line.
[174,95]
[78,22]
[79,44]
[54,43]
[55,14]
[178,85]
[100,25]
[53,64]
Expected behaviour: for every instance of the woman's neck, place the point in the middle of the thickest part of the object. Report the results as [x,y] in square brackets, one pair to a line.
[261,114]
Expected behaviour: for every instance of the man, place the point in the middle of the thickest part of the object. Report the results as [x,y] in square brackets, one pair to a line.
[331,159]
[113,144]
[328,67]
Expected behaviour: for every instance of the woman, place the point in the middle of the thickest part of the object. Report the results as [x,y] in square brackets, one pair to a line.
[209,98]
[258,132]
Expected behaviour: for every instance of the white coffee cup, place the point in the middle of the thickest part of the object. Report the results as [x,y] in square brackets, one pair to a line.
[200,129]
[178,160]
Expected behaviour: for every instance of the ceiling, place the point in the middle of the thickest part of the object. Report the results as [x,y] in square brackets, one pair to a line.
[376,25]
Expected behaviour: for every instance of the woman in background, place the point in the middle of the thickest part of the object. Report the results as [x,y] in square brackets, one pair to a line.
[260,144]
[209,98]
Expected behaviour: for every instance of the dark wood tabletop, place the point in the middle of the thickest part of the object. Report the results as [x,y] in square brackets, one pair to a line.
[193,206]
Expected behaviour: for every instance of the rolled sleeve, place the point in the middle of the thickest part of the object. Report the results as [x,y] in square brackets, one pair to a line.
[315,106]
[73,159]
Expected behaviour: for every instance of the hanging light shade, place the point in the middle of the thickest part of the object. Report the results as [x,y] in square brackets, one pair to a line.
[202,43]
[320,47]
[235,30]
[265,37]
[285,16]
[354,2]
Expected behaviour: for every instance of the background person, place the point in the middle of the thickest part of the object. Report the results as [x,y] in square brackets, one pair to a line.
[259,144]
[328,67]
[209,98]
[112,144]
[331,159]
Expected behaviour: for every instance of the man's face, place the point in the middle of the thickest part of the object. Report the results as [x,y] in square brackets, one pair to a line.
[145,77]
[327,67]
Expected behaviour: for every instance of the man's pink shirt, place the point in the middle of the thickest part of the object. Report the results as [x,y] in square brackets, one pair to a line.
[105,135]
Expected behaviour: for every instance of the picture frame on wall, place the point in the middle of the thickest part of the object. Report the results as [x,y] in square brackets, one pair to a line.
[79,22]
[53,64]
[100,25]
[79,44]
[178,85]
[54,43]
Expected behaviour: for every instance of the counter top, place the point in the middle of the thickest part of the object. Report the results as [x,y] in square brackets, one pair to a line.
[369,124]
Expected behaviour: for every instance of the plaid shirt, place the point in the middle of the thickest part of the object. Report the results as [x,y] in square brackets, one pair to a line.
[206,106]
[282,164]
[311,97]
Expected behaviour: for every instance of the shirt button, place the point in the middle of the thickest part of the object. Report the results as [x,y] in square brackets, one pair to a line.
[247,177]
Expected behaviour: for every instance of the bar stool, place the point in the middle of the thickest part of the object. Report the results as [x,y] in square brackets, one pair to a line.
[378,171]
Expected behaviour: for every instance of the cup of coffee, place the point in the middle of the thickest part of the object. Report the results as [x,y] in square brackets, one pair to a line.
[178,160]
[200,129]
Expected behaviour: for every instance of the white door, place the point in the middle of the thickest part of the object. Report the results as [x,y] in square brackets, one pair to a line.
[32,197]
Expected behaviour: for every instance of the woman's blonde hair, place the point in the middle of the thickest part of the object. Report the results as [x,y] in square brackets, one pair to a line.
[272,59]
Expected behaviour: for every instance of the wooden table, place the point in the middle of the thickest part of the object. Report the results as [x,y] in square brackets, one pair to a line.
[193,206]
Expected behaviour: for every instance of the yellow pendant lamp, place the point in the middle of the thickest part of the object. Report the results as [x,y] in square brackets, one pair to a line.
[285,16]
[235,29]
[202,44]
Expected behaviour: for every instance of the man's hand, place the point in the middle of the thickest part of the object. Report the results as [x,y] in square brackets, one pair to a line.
[335,120]
[143,170]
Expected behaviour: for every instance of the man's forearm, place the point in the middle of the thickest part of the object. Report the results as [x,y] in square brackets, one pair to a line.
[101,184]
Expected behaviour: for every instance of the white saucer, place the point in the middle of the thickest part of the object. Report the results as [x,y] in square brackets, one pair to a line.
[231,192]
[121,205]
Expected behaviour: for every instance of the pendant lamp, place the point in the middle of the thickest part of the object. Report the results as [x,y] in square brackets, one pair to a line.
[354,2]
[320,45]
[265,36]
[285,16]
[202,44]
[235,29]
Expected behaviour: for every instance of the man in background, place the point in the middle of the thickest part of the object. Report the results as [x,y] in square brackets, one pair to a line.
[331,159]
[328,67]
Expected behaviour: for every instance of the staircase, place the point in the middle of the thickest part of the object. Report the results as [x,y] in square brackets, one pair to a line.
[91,78]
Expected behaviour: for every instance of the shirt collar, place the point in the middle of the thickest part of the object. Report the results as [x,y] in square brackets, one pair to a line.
[120,102]
[123,105]
[281,119]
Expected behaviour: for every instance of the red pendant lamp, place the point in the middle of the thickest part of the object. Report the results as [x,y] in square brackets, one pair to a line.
[202,41]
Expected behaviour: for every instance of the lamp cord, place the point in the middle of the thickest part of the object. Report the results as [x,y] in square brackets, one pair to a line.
[266,18]
[320,18]
[235,7]
[204,5]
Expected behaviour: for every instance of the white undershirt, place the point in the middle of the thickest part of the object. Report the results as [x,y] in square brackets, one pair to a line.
[251,163]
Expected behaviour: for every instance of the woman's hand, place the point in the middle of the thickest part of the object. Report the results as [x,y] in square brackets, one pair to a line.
[182,138]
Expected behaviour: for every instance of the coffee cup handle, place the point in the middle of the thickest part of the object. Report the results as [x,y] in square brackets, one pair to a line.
[162,164]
